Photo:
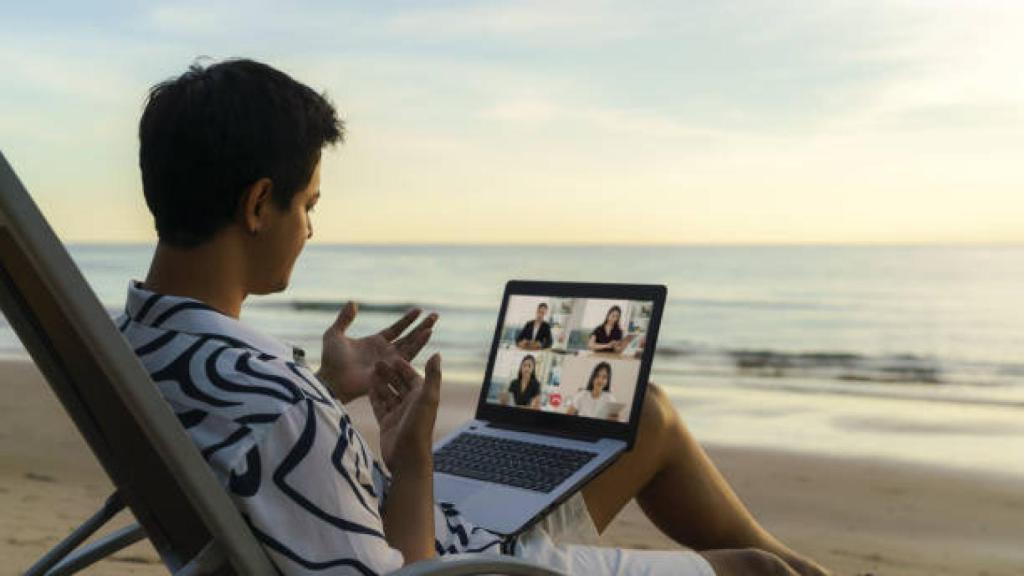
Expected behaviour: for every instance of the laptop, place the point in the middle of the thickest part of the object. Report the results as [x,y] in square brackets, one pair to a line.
[552,413]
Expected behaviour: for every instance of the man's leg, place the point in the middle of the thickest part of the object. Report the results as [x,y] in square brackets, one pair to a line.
[679,489]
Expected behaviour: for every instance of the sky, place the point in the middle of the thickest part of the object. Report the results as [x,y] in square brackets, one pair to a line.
[744,122]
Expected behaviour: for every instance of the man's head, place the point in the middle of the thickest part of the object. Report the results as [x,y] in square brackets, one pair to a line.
[235,145]
[542,311]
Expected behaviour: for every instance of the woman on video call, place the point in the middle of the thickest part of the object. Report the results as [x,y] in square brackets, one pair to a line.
[525,389]
[608,336]
[592,401]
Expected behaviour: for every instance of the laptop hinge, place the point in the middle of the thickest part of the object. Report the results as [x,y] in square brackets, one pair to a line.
[545,432]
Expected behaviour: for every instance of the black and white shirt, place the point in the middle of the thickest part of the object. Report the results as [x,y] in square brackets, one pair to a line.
[303,477]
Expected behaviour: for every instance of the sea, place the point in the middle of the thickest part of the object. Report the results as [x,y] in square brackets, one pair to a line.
[904,353]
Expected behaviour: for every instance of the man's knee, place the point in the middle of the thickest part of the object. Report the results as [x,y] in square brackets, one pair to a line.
[658,412]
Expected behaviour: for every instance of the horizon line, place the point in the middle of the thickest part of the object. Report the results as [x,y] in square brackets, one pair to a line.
[436,244]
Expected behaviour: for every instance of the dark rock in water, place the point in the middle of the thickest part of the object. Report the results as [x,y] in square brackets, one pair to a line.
[778,363]
[316,306]
[830,358]
[896,376]
[924,374]
[905,369]
[759,359]
[751,359]
[326,306]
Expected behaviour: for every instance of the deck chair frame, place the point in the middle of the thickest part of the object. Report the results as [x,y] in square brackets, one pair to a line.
[157,471]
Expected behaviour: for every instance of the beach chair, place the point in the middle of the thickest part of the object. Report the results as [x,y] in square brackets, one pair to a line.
[157,471]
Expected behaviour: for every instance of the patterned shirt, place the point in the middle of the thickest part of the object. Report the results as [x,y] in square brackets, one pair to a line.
[302,476]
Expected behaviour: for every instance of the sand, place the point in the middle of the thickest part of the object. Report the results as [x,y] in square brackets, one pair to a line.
[854,516]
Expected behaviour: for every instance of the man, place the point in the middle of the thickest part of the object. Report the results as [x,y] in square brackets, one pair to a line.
[536,333]
[230,161]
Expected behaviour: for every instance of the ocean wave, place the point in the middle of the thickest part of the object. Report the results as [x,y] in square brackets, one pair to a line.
[330,305]
[903,368]
[840,366]
[692,357]
[1012,369]
[312,305]
[755,304]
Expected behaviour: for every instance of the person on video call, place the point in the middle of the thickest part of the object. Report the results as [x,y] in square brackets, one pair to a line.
[593,401]
[536,333]
[524,390]
[608,336]
[230,161]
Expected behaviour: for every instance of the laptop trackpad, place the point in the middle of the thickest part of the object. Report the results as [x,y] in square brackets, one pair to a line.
[492,506]
[454,489]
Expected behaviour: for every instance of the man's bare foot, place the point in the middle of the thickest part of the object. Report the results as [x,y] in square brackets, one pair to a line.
[800,564]
[747,562]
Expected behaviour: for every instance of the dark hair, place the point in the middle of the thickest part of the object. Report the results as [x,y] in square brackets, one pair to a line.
[609,315]
[542,305]
[593,375]
[208,134]
[533,373]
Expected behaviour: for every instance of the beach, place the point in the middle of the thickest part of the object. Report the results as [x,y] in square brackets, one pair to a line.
[854,515]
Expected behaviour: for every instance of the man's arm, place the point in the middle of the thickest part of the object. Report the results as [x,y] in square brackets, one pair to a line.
[409,513]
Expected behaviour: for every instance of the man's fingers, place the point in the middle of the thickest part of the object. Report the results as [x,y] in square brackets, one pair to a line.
[407,375]
[410,345]
[426,325]
[389,387]
[396,329]
[432,382]
[345,317]
[378,401]
[397,375]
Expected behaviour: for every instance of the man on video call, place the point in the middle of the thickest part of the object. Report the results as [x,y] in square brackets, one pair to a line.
[230,160]
[536,333]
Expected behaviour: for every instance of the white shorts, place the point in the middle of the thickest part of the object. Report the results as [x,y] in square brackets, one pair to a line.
[567,541]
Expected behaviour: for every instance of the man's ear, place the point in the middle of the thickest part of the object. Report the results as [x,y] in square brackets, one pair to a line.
[255,205]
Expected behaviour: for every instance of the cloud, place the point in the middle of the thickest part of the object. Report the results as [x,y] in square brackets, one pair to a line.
[807,114]
[67,75]
[527,23]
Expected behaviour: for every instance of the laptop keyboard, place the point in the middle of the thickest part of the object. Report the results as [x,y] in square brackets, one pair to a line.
[516,463]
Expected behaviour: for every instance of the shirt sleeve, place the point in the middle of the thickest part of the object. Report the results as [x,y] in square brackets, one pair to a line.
[311,492]
[453,534]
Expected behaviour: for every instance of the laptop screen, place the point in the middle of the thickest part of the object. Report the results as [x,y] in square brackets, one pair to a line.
[574,356]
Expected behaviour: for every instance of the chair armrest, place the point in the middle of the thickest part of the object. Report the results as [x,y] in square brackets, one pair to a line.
[475,564]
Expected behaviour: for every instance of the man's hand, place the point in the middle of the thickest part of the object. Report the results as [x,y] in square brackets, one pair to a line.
[406,408]
[347,364]
[405,405]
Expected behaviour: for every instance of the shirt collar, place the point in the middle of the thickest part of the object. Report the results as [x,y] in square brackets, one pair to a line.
[181,314]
